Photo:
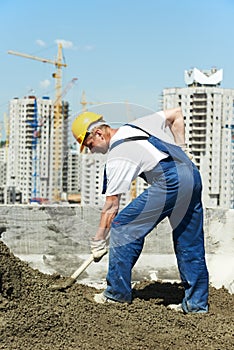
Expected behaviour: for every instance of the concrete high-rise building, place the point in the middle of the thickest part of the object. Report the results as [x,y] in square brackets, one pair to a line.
[73,174]
[209,126]
[92,171]
[31,153]
[2,166]
[92,167]
[2,172]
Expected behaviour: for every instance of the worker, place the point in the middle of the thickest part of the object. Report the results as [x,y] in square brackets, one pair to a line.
[145,148]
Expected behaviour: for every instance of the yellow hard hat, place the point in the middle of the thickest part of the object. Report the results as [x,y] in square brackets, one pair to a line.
[81,125]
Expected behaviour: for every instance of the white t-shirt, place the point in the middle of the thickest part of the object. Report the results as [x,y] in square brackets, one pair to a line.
[129,159]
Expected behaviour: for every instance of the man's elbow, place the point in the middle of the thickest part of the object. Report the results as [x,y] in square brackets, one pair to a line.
[173,114]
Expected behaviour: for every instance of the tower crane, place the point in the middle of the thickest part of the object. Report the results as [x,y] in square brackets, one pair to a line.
[57,116]
[63,93]
[57,63]
[84,102]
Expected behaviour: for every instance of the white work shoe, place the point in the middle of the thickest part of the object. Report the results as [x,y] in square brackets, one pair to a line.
[175,307]
[102,299]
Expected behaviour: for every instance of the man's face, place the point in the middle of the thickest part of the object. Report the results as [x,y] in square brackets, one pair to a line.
[96,142]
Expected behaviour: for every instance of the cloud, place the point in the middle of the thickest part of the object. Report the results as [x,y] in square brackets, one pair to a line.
[89,48]
[45,84]
[69,45]
[65,43]
[40,42]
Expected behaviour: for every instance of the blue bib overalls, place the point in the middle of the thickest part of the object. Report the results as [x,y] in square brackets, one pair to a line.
[175,192]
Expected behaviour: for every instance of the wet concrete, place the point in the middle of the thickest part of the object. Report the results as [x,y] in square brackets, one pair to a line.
[32,317]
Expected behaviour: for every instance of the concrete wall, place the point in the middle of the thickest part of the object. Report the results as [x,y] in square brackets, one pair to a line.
[56,239]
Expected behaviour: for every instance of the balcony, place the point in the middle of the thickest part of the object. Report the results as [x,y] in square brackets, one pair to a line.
[199,123]
[28,135]
[198,142]
[200,128]
[199,106]
[199,131]
[198,148]
[199,97]
[198,112]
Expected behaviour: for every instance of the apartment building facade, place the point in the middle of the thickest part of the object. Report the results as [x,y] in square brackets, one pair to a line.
[31,153]
[209,131]
[74,174]
[2,172]
[3,165]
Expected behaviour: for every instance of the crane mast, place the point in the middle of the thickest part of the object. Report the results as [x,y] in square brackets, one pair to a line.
[57,128]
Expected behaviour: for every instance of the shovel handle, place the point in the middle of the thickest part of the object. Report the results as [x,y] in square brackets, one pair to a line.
[83,267]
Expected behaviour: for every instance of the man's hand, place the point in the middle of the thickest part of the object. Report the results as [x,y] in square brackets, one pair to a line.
[98,248]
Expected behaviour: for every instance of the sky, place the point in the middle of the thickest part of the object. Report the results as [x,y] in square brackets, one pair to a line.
[119,50]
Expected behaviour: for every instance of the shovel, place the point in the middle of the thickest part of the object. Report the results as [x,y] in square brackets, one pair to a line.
[72,279]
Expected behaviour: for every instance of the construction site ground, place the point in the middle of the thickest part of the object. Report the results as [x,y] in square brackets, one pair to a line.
[34,317]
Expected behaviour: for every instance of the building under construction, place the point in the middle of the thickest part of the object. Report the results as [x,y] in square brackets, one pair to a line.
[37,149]
[38,141]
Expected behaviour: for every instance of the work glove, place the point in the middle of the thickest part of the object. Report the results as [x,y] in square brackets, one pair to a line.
[185,148]
[99,248]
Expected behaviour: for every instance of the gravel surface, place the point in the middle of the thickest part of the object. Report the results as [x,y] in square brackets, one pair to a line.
[34,317]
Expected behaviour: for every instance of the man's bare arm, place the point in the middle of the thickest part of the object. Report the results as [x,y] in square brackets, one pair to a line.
[109,211]
[175,121]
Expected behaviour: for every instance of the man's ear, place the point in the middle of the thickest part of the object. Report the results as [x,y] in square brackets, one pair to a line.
[99,132]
